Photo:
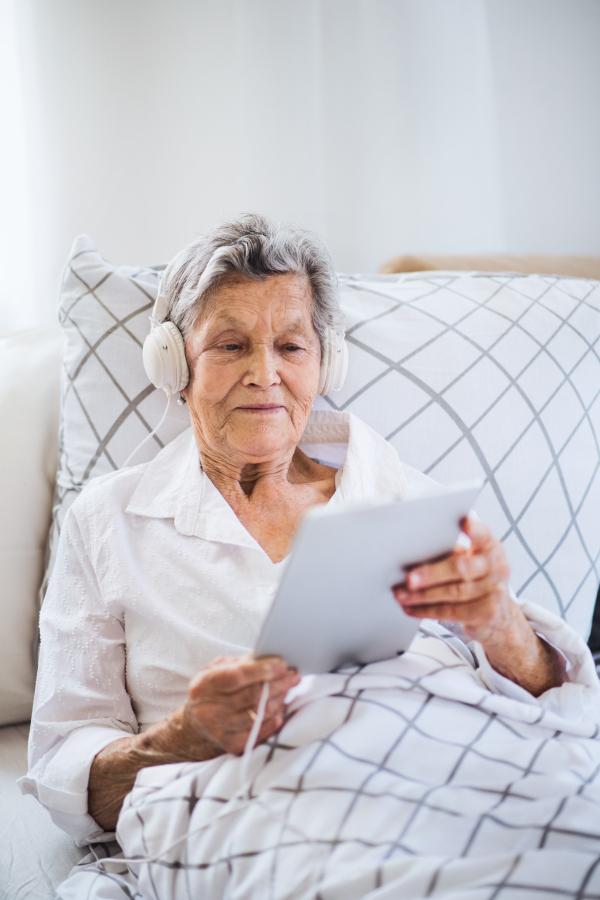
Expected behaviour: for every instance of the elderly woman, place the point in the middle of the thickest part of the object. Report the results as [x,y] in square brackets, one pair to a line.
[165,570]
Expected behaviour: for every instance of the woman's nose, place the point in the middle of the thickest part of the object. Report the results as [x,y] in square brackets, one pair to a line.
[262,368]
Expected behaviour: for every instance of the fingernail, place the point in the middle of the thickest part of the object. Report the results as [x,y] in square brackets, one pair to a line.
[414,580]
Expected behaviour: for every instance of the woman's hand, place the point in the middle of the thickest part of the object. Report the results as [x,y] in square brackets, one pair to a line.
[216,718]
[471,587]
[222,702]
[468,586]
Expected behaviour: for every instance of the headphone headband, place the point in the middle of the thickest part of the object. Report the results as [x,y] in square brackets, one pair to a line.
[160,308]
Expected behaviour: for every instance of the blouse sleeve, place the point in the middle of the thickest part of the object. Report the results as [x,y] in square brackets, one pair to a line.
[578,699]
[81,703]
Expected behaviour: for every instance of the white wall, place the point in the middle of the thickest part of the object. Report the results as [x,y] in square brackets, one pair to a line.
[386,125]
[546,62]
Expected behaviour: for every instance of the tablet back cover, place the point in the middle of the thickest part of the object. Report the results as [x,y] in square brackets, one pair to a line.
[334,606]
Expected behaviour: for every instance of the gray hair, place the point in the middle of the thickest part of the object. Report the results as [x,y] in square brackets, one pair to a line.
[254,247]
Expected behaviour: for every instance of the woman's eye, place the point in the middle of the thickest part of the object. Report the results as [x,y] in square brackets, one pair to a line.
[291,347]
[231,347]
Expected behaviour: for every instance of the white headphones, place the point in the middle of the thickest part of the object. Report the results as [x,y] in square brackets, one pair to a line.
[167,368]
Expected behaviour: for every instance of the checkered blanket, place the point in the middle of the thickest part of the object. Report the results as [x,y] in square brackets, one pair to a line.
[404,779]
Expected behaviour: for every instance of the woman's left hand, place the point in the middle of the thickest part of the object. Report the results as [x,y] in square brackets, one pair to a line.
[470,586]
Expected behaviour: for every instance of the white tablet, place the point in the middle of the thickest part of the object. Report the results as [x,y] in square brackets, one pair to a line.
[334,606]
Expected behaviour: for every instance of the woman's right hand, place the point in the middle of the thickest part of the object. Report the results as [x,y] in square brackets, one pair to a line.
[216,718]
[222,702]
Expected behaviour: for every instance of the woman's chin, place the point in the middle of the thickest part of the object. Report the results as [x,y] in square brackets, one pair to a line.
[262,440]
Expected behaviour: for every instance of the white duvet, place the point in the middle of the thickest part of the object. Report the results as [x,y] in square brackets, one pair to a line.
[405,779]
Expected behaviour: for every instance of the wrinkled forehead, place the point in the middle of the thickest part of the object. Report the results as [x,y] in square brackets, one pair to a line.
[284,301]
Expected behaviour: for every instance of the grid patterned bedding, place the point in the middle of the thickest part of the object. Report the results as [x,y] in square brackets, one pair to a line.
[403,779]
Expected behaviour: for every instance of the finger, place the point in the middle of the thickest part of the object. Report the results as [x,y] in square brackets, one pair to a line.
[480,534]
[456,567]
[229,677]
[274,706]
[236,731]
[456,592]
[273,710]
[473,614]
[270,726]
[249,697]
[241,722]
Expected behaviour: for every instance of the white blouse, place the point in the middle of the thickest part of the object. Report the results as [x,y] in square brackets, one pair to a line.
[155,577]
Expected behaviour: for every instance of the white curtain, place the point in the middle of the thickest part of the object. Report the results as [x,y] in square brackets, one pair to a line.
[388,126]
[16,237]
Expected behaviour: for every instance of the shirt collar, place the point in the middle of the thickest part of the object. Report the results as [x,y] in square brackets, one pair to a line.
[174,486]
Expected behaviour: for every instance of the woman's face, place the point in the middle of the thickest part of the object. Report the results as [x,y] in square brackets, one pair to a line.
[254,360]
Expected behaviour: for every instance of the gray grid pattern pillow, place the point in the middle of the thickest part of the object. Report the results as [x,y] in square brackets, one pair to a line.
[107,404]
[468,376]
[498,377]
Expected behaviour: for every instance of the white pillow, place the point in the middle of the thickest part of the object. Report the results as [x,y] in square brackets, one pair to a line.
[29,412]
[108,405]
[468,375]
[494,377]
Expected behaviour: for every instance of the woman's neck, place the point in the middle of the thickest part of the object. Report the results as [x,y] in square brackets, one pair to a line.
[270,498]
[241,478]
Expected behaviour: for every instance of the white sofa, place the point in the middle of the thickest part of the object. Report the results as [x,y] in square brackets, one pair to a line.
[34,854]
[408,378]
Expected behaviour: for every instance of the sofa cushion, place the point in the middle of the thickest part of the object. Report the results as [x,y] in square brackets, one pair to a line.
[35,855]
[469,376]
[29,408]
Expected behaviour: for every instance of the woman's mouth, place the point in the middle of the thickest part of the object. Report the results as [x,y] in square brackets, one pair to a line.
[261,407]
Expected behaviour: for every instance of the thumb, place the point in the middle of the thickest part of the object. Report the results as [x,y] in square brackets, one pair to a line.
[478,533]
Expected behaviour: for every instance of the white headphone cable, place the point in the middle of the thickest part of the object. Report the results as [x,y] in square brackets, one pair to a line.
[245,782]
[152,433]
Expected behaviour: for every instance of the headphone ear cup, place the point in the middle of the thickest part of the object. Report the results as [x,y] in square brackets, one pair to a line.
[177,352]
[340,365]
[334,363]
[325,357]
[164,358]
